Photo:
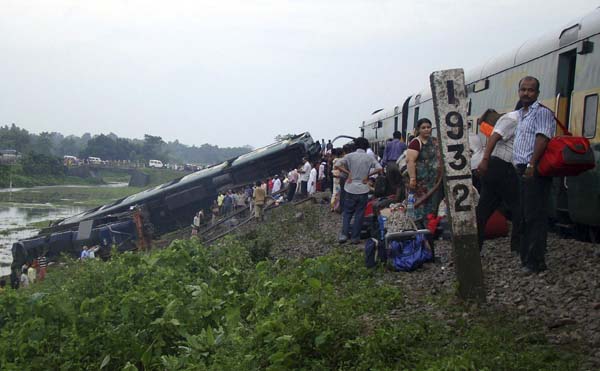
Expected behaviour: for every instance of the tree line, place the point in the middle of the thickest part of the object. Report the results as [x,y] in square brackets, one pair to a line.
[112,147]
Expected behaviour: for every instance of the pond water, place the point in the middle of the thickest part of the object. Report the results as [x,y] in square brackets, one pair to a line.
[14,225]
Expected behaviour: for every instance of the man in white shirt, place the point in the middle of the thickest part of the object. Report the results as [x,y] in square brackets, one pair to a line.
[499,181]
[292,182]
[276,185]
[304,175]
[312,181]
[321,178]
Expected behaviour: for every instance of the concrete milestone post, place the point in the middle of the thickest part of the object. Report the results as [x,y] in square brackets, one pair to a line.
[450,107]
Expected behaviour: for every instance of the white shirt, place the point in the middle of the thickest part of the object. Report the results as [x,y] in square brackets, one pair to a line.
[312,181]
[477,150]
[24,280]
[321,171]
[276,185]
[370,152]
[306,172]
[506,127]
[293,176]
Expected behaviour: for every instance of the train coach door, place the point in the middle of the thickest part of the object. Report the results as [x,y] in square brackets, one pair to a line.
[565,81]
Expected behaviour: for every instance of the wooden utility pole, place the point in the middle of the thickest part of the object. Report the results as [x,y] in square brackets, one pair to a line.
[450,107]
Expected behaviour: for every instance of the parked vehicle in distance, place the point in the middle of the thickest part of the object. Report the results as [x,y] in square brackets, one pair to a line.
[155,163]
[191,167]
[70,160]
[94,160]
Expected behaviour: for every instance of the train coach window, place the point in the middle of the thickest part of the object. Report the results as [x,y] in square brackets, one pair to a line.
[379,124]
[590,116]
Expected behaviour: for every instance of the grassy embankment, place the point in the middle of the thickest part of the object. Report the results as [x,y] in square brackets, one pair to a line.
[233,307]
[89,196]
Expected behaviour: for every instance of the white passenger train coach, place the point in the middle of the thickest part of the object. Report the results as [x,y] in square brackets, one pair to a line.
[567,63]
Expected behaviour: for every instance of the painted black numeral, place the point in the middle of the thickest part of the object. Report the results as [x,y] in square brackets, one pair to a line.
[455,122]
[461,161]
[461,192]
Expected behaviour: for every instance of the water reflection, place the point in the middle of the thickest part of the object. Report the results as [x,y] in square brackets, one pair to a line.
[109,185]
[14,225]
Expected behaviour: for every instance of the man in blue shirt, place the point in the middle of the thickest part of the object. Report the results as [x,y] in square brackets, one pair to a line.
[393,149]
[536,125]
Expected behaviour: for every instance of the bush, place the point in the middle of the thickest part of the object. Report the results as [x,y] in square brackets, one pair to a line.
[196,307]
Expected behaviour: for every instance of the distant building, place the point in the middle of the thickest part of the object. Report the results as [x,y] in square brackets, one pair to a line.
[9,156]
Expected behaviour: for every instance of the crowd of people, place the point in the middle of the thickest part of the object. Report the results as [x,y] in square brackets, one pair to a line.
[31,273]
[504,174]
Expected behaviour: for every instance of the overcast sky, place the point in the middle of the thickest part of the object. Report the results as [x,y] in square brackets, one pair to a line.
[240,72]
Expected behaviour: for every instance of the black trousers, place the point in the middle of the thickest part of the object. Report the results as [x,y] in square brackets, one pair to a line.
[291,191]
[535,196]
[304,188]
[499,186]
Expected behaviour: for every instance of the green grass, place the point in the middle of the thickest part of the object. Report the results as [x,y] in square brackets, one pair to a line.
[110,176]
[232,307]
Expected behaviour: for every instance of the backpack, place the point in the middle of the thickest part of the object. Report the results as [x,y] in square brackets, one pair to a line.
[373,246]
[406,255]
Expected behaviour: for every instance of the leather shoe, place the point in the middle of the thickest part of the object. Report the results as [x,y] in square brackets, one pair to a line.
[527,271]
[355,242]
[342,238]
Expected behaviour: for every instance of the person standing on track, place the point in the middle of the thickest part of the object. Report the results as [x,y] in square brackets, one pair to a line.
[358,165]
[304,175]
[499,181]
[424,167]
[535,128]
[393,150]
[259,196]
[292,183]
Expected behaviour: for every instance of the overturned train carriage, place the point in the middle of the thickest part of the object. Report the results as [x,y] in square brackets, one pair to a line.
[164,208]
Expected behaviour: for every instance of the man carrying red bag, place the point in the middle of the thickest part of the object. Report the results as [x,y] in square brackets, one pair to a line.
[535,128]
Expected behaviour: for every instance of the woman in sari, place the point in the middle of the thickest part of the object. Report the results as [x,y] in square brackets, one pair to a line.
[424,170]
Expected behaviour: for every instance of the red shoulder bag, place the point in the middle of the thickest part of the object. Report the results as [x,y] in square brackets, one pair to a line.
[566,155]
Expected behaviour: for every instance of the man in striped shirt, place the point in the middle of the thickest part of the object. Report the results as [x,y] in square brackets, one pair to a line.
[43,265]
[535,128]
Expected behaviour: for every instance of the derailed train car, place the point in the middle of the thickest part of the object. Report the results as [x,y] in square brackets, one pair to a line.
[567,63]
[164,208]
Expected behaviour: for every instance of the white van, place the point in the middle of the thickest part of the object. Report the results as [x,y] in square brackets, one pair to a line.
[155,163]
[94,160]
[70,160]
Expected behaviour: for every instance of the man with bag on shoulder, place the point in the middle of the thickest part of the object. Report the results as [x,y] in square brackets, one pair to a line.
[536,125]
